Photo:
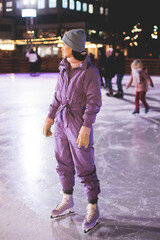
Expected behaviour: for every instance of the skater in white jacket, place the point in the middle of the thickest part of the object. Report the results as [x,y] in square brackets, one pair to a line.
[32,58]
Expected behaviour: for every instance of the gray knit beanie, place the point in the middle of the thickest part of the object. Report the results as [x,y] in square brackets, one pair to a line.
[75,39]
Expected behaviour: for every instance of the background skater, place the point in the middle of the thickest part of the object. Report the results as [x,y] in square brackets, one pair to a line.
[140,78]
[120,71]
[109,71]
[101,65]
[32,58]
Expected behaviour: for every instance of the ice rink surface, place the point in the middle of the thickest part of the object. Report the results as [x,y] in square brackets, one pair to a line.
[127,156]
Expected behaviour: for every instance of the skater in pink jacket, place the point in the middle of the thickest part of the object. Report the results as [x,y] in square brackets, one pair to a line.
[76,102]
[140,78]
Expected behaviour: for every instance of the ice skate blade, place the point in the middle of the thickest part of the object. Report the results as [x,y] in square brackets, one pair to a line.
[89,229]
[62,215]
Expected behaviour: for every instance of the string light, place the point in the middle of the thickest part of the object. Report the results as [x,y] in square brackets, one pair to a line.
[154,35]
[10,44]
[133,35]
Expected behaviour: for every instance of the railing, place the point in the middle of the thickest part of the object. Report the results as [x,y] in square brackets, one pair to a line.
[21,65]
[49,64]
[13,65]
[153,65]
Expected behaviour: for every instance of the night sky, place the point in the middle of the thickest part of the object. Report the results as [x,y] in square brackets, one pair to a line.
[126,13]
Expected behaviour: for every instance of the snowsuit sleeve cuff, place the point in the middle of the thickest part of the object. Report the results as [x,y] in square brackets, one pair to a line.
[87,124]
[52,112]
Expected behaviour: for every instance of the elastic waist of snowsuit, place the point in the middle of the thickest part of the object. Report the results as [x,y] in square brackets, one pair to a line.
[66,109]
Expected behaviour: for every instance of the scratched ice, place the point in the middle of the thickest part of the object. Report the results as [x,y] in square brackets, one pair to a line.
[127,155]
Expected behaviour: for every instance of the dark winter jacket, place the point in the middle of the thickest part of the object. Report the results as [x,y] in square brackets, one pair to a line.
[120,63]
[102,61]
[110,67]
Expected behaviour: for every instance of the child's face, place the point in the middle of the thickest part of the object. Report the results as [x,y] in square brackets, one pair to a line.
[67,50]
[108,53]
[136,66]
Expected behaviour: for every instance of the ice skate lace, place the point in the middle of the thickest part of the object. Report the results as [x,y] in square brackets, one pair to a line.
[90,214]
[62,204]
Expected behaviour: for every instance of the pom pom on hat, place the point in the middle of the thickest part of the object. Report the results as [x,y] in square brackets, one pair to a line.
[75,39]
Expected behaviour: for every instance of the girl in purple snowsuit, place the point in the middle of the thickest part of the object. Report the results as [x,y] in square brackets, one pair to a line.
[76,102]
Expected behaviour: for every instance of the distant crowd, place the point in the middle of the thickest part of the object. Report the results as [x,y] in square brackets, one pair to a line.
[111,63]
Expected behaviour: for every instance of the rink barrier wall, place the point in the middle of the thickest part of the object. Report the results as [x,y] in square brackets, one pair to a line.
[50,64]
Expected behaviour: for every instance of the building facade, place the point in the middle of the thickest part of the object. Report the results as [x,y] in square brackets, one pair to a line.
[53,18]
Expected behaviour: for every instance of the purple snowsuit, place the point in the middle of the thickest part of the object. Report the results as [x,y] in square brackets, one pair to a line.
[76,102]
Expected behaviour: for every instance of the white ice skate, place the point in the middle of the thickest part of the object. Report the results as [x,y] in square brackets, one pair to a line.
[91,218]
[64,208]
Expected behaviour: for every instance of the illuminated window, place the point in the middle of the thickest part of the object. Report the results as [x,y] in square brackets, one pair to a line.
[25,2]
[1,7]
[9,9]
[84,7]
[9,5]
[64,3]
[33,2]
[19,4]
[29,2]
[52,3]
[71,4]
[101,10]
[90,8]
[106,11]
[41,4]
[78,6]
